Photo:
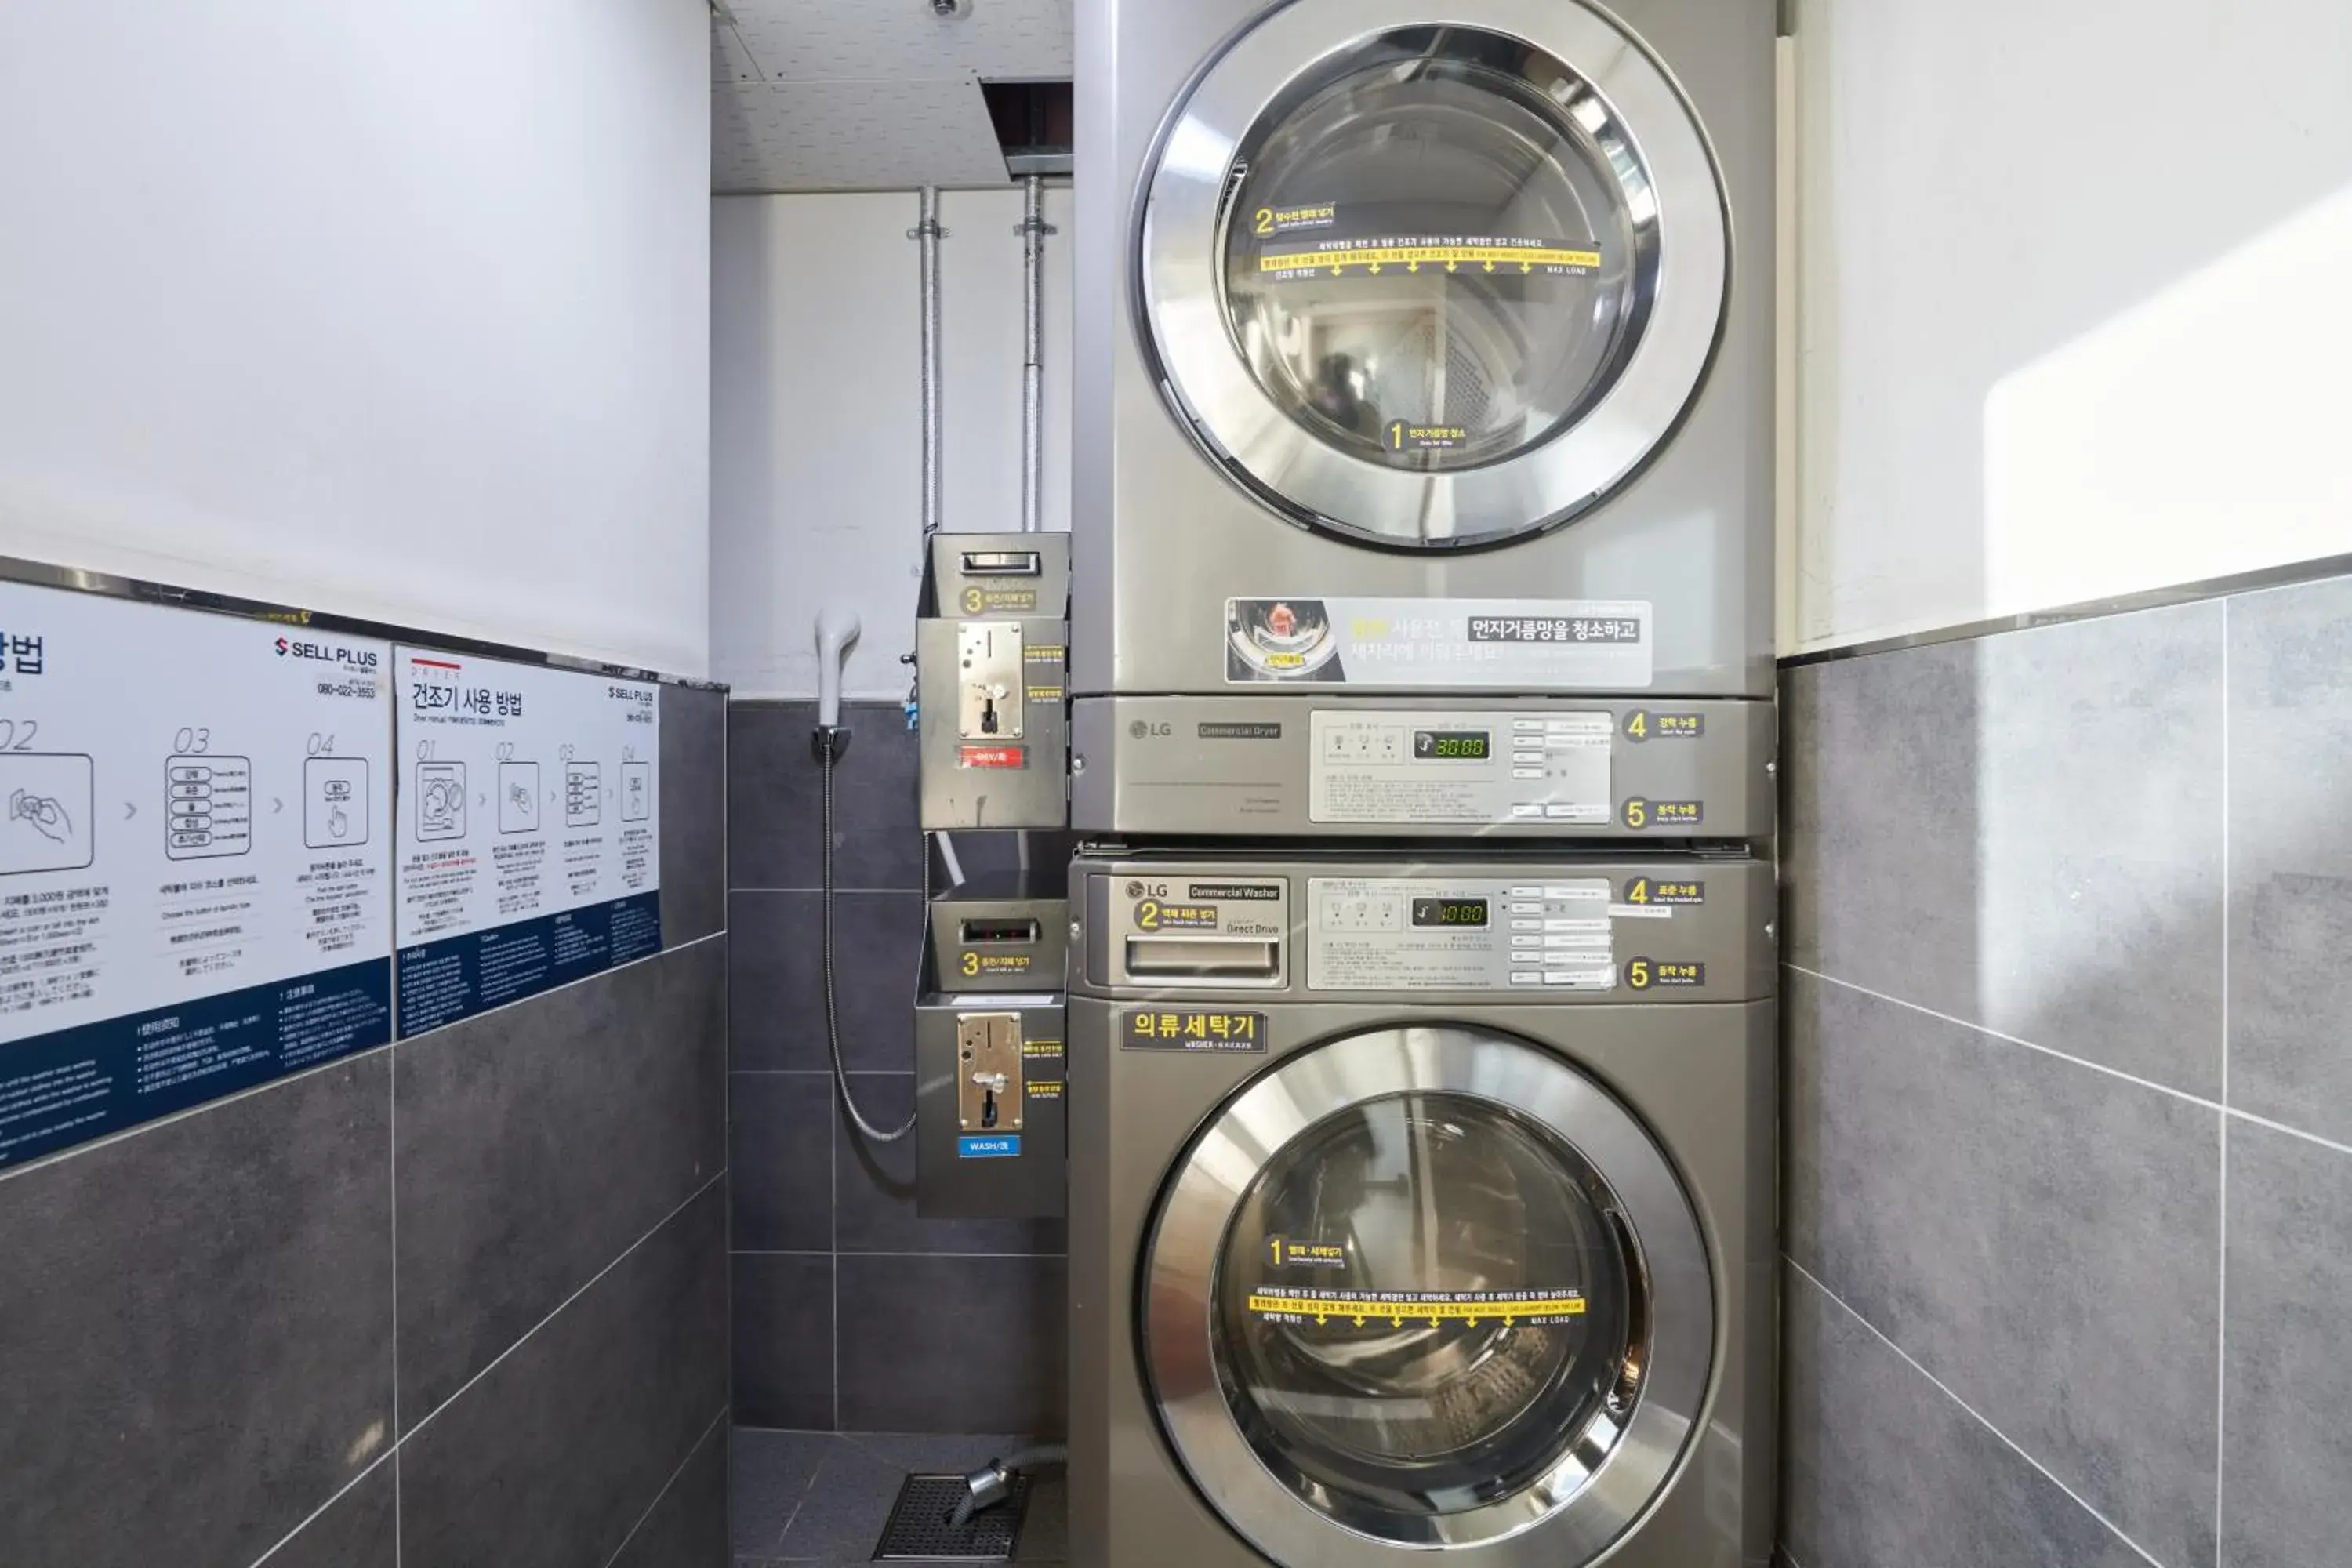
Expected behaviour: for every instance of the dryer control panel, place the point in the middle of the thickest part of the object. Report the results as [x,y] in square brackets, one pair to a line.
[1329,765]
[1459,934]
[1471,767]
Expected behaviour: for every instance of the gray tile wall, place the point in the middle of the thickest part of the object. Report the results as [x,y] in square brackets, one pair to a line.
[462,1300]
[2068,1188]
[836,1283]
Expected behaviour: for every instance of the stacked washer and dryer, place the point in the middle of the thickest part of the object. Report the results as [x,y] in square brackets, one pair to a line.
[1421,1079]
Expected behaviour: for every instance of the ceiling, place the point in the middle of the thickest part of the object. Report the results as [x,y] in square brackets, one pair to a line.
[819,95]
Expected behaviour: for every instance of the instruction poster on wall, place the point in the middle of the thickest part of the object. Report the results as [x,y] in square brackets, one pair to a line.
[529,830]
[195,828]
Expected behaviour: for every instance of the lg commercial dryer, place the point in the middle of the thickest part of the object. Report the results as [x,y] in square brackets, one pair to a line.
[1422,1215]
[1422,348]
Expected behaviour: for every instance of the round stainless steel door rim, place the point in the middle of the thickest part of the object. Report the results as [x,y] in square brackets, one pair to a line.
[1183,294]
[1602,1479]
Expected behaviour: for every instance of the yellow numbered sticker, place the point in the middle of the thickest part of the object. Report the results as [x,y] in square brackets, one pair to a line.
[1637,813]
[971,963]
[1637,974]
[1265,220]
[1400,1308]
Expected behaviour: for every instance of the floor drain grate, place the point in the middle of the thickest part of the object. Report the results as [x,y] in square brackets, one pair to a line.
[919,1531]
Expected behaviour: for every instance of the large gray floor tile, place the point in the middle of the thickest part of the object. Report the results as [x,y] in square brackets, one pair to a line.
[693,812]
[2023,831]
[772,1472]
[1884,1470]
[775,794]
[2291,855]
[196,1328]
[360,1530]
[539,1140]
[900,1372]
[2287,1449]
[2042,1237]
[552,1456]
[776,990]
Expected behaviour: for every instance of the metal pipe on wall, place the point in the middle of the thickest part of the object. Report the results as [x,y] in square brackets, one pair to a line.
[928,232]
[1033,231]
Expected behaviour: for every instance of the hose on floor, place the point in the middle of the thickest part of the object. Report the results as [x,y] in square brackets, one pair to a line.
[991,1484]
[826,750]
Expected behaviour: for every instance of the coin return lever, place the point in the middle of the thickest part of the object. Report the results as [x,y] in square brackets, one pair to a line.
[989,1087]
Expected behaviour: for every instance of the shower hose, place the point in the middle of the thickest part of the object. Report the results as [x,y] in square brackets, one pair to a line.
[827,744]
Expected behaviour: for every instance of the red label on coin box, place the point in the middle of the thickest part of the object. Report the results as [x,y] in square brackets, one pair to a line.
[994,757]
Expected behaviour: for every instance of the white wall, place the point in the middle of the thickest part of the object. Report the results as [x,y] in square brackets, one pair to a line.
[816,437]
[397,310]
[2076,302]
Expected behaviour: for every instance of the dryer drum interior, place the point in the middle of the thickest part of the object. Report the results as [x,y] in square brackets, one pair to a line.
[1430,1315]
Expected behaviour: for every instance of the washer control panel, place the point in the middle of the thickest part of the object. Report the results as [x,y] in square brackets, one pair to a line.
[1466,768]
[1459,934]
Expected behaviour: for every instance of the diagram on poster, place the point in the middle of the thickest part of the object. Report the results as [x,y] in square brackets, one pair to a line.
[52,807]
[194,872]
[532,854]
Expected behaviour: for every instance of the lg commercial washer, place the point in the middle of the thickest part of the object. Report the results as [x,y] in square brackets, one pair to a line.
[1421,1213]
[1424,351]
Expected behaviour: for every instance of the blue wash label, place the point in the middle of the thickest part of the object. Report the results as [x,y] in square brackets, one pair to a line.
[989,1146]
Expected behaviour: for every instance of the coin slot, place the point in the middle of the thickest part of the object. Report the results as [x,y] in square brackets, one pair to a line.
[988,1088]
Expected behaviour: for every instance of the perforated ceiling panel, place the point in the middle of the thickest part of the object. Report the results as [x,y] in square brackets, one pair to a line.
[870,94]
[852,135]
[904,41]
[730,62]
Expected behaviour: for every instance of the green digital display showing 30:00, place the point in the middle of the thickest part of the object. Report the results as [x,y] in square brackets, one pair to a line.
[1452,745]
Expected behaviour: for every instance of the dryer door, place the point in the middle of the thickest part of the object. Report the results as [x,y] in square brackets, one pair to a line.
[1427,1289]
[1434,286]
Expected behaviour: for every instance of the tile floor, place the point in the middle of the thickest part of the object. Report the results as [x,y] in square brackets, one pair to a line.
[821,1497]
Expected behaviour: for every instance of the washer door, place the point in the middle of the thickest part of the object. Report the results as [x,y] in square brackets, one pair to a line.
[1434,286]
[1427,1288]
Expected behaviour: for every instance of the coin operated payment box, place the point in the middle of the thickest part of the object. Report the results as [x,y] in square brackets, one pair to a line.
[988,1051]
[990,656]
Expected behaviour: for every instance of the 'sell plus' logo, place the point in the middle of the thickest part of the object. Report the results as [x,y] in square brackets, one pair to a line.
[348,657]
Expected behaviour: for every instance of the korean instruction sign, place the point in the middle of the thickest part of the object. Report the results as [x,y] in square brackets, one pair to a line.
[195,851]
[529,831]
